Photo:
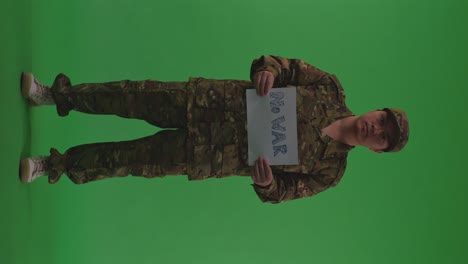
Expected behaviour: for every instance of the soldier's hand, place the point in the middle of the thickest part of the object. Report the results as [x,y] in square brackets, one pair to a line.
[261,172]
[263,82]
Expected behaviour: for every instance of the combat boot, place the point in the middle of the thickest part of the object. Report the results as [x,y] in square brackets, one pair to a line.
[35,92]
[34,167]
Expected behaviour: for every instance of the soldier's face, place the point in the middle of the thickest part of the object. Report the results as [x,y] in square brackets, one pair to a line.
[374,130]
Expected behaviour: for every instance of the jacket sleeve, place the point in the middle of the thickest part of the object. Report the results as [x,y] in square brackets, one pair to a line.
[286,71]
[289,186]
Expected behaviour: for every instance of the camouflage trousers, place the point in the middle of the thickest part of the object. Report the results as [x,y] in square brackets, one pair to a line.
[163,104]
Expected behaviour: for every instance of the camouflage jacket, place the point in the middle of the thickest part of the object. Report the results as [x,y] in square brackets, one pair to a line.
[217,145]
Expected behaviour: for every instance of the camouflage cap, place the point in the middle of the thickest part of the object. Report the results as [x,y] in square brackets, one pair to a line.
[400,120]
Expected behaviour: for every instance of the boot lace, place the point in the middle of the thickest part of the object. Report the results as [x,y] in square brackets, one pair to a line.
[43,92]
[41,167]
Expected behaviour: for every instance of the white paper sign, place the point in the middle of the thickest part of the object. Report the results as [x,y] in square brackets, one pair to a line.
[272,126]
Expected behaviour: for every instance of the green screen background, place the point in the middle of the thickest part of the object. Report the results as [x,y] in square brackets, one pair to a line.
[408,207]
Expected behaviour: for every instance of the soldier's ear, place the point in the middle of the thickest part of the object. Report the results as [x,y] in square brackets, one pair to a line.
[376,150]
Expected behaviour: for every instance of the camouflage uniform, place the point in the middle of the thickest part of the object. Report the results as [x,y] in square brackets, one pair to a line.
[160,104]
[211,139]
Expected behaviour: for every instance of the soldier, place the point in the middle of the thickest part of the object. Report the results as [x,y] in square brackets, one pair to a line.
[211,136]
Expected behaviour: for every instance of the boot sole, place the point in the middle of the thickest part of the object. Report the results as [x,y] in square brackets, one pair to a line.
[25,171]
[26,80]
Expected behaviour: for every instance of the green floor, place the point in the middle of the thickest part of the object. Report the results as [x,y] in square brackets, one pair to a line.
[391,208]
